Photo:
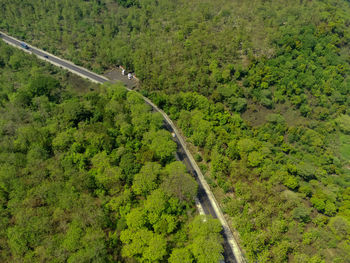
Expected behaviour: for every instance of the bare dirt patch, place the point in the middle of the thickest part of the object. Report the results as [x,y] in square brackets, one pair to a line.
[115,75]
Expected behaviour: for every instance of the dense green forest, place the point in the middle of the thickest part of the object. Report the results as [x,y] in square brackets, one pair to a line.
[259,88]
[88,175]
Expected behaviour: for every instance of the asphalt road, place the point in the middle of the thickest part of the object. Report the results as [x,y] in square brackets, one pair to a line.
[56,60]
[205,201]
[202,196]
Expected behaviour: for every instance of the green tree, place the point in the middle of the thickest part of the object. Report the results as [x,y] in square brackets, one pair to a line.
[43,85]
[146,180]
[180,255]
[160,142]
[179,183]
[143,245]
[340,226]
[205,244]
[302,214]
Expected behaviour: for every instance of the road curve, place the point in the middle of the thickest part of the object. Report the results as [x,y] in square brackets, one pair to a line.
[206,202]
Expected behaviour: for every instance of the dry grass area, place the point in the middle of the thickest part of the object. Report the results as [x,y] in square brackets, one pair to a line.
[79,85]
[255,115]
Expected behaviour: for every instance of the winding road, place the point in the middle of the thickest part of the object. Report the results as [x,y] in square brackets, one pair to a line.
[206,202]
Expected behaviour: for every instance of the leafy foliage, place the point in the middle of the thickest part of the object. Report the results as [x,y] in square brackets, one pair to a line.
[260,88]
[85,178]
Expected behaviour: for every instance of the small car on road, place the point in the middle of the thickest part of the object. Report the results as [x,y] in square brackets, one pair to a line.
[24,45]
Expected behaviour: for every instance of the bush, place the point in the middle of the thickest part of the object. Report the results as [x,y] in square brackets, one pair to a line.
[306,189]
[238,104]
[318,203]
[128,3]
[203,168]
[266,102]
[302,214]
[340,226]
[198,157]
[255,158]
[291,182]
[343,121]
[330,209]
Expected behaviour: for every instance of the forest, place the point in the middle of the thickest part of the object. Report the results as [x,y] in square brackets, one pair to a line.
[260,89]
[87,174]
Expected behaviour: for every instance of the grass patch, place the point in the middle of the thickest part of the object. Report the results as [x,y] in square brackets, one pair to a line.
[344,146]
[255,115]
[78,85]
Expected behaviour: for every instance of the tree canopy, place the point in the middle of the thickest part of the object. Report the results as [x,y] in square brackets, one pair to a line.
[260,89]
[83,178]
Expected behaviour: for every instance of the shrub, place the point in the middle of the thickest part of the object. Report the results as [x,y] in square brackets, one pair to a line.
[302,214]
[343,121]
